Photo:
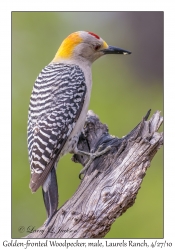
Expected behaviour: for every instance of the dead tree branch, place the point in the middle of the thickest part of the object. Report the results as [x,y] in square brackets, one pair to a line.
[111,183]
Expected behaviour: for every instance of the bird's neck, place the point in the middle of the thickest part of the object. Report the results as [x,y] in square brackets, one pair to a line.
[67,47]
[81,62]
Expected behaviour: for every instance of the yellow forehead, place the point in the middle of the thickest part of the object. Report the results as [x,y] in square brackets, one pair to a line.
[105,46]
[68,46]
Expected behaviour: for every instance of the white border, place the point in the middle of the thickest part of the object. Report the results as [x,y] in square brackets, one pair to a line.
[5,94]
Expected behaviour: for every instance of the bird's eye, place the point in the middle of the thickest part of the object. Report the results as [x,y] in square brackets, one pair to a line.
[97,46]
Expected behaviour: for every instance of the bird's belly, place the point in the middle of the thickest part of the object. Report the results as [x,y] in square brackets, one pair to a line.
[74,136]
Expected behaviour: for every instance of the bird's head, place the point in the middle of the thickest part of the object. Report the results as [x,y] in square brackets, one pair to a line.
[84,45]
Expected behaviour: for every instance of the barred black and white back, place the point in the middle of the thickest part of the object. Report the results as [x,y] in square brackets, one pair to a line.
[55,105]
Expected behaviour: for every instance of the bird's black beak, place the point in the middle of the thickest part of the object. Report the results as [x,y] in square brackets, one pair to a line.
[115,50]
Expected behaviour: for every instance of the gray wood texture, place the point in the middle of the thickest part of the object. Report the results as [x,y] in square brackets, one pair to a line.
[110,184]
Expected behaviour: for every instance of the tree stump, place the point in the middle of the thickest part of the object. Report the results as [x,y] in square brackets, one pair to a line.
[111,183]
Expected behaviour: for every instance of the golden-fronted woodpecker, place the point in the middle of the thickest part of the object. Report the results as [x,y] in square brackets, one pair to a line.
[58,107]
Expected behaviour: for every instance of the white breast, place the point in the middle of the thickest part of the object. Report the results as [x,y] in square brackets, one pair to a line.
[74,136]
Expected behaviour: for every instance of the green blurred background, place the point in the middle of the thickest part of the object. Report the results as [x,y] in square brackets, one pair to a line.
[124,88]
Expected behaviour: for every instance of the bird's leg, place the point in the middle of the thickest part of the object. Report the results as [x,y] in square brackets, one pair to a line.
[50,196]
[92,156]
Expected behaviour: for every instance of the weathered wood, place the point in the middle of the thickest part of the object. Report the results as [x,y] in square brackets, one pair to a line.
[111,183]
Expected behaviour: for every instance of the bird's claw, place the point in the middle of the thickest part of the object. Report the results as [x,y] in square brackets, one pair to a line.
[92,156]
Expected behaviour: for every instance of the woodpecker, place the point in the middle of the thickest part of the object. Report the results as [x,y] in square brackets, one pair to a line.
[58,107]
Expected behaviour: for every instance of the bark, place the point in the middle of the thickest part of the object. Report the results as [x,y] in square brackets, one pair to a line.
[111,183]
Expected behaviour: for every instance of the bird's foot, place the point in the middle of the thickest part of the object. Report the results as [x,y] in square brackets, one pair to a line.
[92,156]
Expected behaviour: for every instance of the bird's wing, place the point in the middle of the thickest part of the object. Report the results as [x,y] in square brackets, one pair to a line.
[55,105]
